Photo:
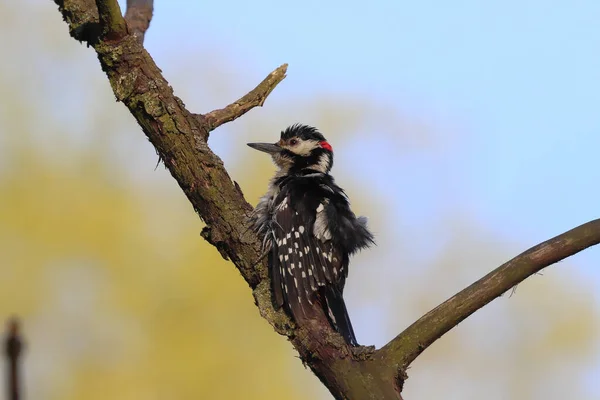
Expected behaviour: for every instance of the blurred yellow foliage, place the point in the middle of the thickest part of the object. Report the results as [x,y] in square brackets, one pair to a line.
[132,301]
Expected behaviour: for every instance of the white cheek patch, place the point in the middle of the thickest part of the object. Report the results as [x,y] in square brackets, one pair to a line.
[303,148]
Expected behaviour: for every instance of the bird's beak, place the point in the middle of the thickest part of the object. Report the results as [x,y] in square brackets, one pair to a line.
[270,148]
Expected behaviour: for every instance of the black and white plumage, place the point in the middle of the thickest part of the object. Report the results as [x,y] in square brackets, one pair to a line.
[308,228]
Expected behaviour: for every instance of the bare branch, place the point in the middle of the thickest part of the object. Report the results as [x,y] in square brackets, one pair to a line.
[13,346]
[138,17]
[111,19]
[180,139]
[255,98]
[407,346]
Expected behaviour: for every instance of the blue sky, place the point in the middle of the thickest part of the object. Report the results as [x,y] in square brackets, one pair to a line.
[520,79]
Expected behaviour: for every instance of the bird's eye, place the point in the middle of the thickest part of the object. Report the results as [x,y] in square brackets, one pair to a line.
[293,142]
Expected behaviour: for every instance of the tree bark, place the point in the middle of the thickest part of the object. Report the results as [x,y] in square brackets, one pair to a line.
[180,139]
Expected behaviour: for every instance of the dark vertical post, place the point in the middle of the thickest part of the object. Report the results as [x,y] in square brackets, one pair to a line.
[12,349]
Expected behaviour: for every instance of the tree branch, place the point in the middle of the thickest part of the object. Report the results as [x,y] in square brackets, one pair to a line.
[138,17]
[180,139]
[407,346]
[256,98]
[111,20]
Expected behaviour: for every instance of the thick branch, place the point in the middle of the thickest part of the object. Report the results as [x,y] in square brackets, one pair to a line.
[407,346]
[111,20]
[138,17]
[180,139]
[256,98]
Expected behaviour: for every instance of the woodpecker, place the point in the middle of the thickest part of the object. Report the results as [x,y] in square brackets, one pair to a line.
[309,231]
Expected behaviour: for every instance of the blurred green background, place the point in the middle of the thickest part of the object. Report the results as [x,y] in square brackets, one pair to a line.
[101,257]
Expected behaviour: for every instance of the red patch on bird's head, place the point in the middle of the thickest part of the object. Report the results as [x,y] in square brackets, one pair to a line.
[326,146]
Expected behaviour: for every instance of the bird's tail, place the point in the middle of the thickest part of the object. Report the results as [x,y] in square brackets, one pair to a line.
[336,312]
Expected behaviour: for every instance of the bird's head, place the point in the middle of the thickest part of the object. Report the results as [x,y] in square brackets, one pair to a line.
[301,147]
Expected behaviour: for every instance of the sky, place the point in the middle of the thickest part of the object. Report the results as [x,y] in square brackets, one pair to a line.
[519,79]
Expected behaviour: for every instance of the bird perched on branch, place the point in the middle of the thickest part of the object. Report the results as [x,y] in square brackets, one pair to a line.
[308,229]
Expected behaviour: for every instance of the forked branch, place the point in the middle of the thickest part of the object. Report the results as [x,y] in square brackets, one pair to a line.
[180,139]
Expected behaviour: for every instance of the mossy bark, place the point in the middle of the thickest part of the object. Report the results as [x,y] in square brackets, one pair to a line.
[180,139]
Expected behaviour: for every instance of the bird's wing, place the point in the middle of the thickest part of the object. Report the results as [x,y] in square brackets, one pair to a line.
[304,257]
